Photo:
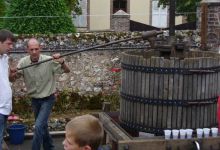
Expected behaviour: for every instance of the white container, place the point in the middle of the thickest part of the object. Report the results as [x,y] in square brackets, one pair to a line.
[189,133]
[199,133]
[206,132]
[175,134]
[182,133]
[214,132]
[167,134]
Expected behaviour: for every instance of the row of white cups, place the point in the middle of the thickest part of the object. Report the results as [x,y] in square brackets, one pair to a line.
[187,133]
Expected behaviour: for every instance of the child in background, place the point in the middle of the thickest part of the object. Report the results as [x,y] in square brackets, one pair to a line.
[83,133]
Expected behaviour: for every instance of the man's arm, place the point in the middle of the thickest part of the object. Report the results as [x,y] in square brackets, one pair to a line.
[14,74]
[62,62]
[65,67]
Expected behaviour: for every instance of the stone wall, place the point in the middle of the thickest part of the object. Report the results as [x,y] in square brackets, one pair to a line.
[90,72]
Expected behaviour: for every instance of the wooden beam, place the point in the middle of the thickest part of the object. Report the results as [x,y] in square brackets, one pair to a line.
[142,145]
[106,106]
[113,130]
[162,144]
[204,25]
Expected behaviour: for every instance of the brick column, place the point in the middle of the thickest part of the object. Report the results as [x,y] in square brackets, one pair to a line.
[209,24]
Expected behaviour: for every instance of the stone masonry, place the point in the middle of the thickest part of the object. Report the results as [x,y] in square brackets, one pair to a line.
[90,73]
[120,21]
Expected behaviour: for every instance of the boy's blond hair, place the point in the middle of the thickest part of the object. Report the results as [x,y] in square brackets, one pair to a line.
[85,130]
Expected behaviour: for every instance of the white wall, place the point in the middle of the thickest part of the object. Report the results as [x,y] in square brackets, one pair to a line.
[99,15]
[140,11]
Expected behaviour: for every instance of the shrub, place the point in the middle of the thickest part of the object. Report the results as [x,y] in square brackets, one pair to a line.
[22,106]
[2,12]
[68,101]
[73,5]
[58,19]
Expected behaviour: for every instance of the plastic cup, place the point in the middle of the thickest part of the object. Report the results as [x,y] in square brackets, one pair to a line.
[214,132]
[206,132]
[175,133]
[199,133]
[167,134]
[182,133]
[189,133]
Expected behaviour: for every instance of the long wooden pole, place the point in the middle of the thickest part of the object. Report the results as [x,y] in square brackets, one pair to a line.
[204,11]
[172,27]
[144,36]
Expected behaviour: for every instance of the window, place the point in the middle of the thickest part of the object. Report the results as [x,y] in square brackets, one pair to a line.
[81,20]
[119,4]
[159,15]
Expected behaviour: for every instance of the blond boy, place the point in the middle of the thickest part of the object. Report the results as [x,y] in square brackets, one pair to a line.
[83,133]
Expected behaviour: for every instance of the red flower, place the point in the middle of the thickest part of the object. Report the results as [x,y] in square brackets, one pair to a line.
[115,70]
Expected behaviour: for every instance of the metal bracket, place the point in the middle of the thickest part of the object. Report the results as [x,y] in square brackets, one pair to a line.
[163,70]
[173,102]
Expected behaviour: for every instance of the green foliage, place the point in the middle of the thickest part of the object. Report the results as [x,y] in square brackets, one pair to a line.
[22,106]
[68,101]
[73,5]
[61,23]
[184,6]
[2,12]
[114,99]
[2,7]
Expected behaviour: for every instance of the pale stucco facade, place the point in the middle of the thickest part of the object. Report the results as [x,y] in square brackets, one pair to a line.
[99,13]
[140,11]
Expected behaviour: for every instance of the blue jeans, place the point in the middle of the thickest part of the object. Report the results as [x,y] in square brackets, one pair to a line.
[3,122]
[42,108]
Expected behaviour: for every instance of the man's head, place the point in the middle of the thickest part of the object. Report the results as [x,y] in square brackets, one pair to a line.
[83,133]
[6,41]
[33,48]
